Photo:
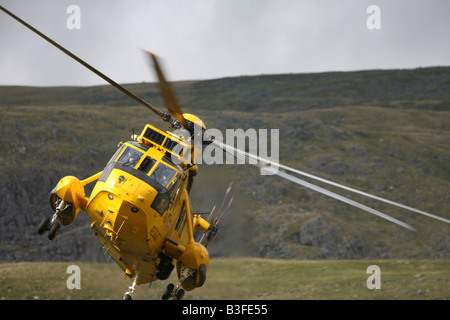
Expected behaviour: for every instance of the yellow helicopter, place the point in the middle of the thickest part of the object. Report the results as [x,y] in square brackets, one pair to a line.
[139,207]
[141,213]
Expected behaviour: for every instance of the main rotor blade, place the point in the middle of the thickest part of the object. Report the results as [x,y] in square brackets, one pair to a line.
[239,153]
[335,196]
[366,194]
[73,56]
[279,165]
[167,92]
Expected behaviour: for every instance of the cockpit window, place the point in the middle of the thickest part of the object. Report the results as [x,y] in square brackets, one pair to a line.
[130,157]
[138,145]
[116,154]
[169,162]
[163,174]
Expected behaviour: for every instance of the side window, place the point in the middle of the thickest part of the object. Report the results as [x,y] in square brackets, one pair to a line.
[161,202]
[174,189]
[181,218]
[169,162]
[174,184]
[130,157]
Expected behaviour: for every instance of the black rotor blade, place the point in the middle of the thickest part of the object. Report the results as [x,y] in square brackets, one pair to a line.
[101,75]
[167,92]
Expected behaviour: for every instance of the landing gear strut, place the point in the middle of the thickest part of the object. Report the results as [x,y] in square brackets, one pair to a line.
[129,294]
[176,292]
[171,292]
[52,225]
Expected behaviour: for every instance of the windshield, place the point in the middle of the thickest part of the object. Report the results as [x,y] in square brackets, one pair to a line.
[163,174]
[130,157]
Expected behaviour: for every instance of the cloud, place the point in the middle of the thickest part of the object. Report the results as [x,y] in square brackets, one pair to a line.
[203,39]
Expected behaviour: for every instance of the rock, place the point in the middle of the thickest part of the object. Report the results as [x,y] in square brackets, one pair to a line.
[317,232]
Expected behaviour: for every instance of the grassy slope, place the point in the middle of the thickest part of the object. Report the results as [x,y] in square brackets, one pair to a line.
[240,279]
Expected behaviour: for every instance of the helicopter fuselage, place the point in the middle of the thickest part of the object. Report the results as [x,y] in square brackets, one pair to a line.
[139,202]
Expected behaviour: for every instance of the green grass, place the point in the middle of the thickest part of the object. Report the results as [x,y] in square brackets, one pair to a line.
[240,278]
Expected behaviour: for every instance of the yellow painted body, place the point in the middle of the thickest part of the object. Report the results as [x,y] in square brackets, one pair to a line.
[140,203]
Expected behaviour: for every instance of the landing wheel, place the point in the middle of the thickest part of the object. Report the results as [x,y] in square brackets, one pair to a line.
[127,296]
[54,230]
[44,226]
[179,295]
[169,291]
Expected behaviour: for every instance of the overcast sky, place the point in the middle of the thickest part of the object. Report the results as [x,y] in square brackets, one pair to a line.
[205,39]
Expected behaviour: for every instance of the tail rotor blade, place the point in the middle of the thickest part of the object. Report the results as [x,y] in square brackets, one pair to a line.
[225,197]
[210,214]
[228,207]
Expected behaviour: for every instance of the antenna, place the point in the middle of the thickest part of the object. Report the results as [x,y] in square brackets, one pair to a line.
[133,136]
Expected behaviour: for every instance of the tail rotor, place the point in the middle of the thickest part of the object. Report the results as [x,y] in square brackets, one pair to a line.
[208,237]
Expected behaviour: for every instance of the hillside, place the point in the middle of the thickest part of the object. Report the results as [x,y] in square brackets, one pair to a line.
[384,131]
